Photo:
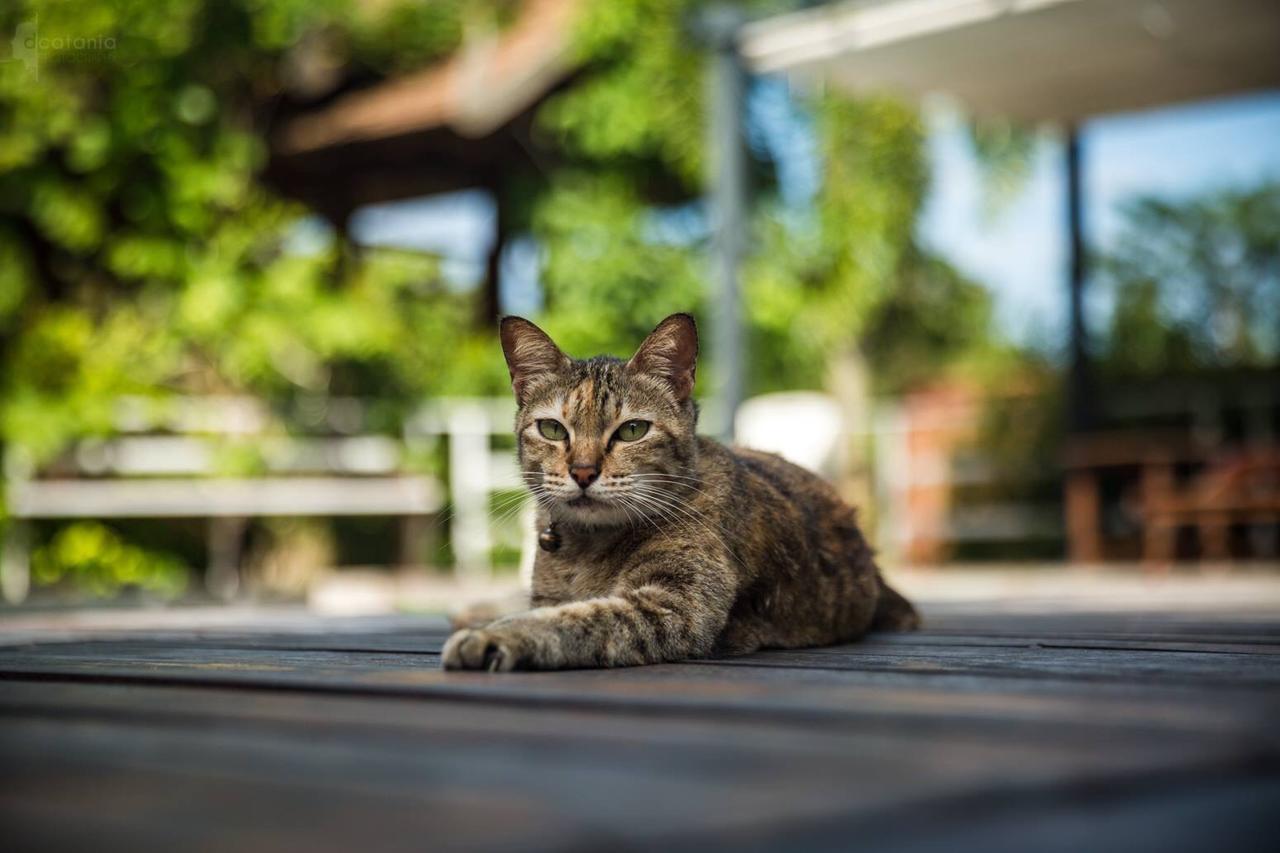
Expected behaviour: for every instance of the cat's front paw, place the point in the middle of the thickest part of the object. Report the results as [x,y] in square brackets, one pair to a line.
[490,650]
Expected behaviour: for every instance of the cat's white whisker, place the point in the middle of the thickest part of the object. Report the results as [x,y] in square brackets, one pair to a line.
[672,484]
[641,513]
[696,517]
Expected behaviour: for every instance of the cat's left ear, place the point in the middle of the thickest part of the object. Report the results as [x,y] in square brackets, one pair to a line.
[530,354]
[671,354]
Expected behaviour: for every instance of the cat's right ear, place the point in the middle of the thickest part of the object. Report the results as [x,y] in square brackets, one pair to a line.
[671,354]
[530,354]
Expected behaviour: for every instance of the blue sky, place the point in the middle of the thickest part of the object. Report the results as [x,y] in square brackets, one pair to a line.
[1021,256]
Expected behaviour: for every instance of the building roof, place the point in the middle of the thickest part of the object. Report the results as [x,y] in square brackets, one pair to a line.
[461,123]
[1035,60]
[491,79]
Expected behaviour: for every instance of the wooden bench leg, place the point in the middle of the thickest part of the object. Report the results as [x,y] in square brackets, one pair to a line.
[1159,529]
[414,540]
[1215,539]
[15,562]
[222,578]
[1159,543]
[1083,505]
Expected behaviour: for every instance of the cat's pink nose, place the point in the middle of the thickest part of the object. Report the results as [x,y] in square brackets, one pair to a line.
[584,475]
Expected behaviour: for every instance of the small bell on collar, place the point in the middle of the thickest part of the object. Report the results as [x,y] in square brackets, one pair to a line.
[549,539]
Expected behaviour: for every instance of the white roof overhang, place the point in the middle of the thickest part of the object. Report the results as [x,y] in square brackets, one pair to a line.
[1033,60]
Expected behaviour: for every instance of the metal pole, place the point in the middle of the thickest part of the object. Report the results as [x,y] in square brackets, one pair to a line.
[728,178]
[1079,393]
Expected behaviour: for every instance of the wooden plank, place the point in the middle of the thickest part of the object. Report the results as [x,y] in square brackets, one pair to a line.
[1241,643]
[1208,814]
[332,739]
[947,626]
[606,734]
[1132,642]
[204,624]
[65,789]
[1265,620]
[1259,625]
[432,639]
[631,775]
[1078,664]
[978,615]
[808,696]
[1005,715]
[1189,668]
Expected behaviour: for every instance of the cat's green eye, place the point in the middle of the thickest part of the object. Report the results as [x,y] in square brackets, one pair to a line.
[553,430]
[632,430]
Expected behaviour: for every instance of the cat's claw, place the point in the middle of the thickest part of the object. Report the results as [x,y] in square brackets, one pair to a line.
[478,649]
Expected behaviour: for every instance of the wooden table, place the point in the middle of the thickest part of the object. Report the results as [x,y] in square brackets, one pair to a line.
[1229,486]
[988,731]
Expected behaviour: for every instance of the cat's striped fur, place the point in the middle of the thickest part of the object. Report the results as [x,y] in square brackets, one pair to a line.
[679,547]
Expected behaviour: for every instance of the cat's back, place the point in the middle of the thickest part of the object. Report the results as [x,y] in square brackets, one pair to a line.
[809,577]
[778,511]
[768,477]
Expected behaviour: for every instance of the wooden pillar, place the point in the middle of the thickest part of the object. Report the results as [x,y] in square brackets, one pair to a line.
[491,296]
[1081,498]
[1080,404]
[347,257]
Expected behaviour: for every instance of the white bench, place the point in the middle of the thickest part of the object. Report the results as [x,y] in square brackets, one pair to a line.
[173,476]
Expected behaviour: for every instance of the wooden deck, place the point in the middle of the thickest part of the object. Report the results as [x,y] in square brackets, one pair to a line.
[987,731]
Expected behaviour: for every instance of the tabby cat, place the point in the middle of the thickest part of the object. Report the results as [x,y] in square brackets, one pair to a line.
[658,544]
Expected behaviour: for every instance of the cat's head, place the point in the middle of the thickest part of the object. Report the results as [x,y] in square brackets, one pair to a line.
[605,441]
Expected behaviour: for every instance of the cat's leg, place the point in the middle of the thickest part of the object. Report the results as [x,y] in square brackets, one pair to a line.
[678,615]
[482,613]
[624,630]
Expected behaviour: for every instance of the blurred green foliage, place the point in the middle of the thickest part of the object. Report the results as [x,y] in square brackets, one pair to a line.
[141,254]
[94,559]
[1195,284]
[1005,154]
[817,286]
